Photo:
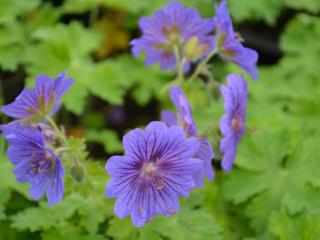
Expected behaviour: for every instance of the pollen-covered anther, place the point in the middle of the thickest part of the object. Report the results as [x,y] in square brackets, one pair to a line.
[170,211]
[238,37]
[39,167]
[236,124]
[159,183]
[149,169]
[49,157]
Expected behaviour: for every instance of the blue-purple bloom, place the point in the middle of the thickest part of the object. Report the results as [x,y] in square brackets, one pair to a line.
[233,123]
[35,163]
[157,169]
[184,119]
[47,131]
[229,43]
[44,100]
[172,26]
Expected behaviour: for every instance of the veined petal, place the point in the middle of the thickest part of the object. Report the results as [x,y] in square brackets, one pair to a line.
[24,106]
[168,117]
[145,188]
[38,185]
[232,124]
[172,26]
[55,188]
[44,100]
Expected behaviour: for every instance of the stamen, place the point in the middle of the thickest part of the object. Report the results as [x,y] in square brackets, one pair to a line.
[236,124]
[159,183]
[149,169]
[170,210]
[172,33]
[41,166]
[239,38]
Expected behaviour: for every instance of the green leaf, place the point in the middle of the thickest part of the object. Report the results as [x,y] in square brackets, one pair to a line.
[70,233]
[8,185]
[135,6]
[267,10]
[301,226]
[107,138]
[76,152]
[45,216]
[8,233]
[299,40]
[122,229]
[83,206]
[273,173]
[146,82]
[187,224]
[10,9]
[70,51]
[309,5]
[13,44]
[106,80]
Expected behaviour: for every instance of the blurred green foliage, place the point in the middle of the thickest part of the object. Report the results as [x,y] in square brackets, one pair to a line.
[274,190]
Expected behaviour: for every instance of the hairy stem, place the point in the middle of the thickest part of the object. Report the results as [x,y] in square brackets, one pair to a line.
[202,65]
[57,129]
[180,76]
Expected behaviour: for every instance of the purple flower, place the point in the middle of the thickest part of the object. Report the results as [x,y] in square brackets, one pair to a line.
[232,124]
[229,42]
[14,125]
[48,132]
[172,26]
[157,169]
[35,163]
[44,100]
[184,119]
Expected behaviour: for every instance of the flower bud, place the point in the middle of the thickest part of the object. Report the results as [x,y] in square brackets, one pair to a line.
[77,171]
[221,38]
[193,49]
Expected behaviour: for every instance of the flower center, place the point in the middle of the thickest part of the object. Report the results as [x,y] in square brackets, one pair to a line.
[149,173]
[149,169]
[172,33]
[41,166]
[236,124]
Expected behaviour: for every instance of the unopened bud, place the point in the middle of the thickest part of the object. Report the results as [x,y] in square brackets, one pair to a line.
[193,50]
[221,38]
[77,171]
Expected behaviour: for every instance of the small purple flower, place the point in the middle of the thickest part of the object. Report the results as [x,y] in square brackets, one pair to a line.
[14,125]
[229,42]
[172,26]
[157,169]
[35,163]
[184,119]
[48,132]
[44,100]
[232,124]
